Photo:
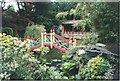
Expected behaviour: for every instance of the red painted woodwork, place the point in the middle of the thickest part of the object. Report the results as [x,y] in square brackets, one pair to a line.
[58,47]
[39,45]
[51,30]
[63,29]
[58,44]
[19,38]
[61,38]
[36,37]
[28,37]
[48,44]
[35,47]
[72,29]
[25,38]
[48,34]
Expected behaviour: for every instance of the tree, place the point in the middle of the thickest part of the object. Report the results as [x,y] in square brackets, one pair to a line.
[107,22]
[101,15]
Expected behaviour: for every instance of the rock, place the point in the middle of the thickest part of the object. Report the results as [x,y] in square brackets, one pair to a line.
[100,45]
[70,56]
[48,63]
[56,60]
[97,49]
[73,50]
[81,52]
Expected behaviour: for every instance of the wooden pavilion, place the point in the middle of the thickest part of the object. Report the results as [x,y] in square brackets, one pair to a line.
[68,29]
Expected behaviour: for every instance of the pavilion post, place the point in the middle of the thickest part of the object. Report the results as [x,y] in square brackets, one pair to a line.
[63,29]
[72,29]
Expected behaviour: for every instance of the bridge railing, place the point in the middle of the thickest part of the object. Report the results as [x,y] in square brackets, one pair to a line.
[50,38]
[54,38]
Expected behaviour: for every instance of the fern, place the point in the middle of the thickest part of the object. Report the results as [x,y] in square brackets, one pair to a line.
[10,31]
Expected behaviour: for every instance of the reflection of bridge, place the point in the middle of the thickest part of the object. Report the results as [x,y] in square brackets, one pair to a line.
[53,40]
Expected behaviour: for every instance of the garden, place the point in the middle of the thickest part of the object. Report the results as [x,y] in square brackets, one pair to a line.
[93,55]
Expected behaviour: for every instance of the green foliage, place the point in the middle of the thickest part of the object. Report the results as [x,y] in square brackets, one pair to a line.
[67,66]
[10,31]
[104,16]
[89,39]
[53,54]
[61,15]
[83,23]
[18,62]
[10,9]
[87,10]
[64,57]
[52,73]
[107,22]
[42,50]
[96,68]
[33,30]
[6,40]
[86,13]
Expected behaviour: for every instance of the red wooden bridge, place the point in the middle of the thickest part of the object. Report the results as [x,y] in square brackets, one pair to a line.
[52,40]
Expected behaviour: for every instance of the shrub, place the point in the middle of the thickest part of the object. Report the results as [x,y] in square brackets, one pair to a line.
[52,73]
[10,31]
[96,68]
[61,15]
[33,30]
[64,57]
[67,66]
[18,62]
[6,40]
[44,50]
[89,39]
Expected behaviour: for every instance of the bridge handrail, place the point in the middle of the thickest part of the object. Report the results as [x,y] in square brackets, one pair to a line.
[55,35]
[61,38]
[36,37]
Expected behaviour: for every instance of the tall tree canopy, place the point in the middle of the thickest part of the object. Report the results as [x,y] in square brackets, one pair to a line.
[36,13]
[103,15]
